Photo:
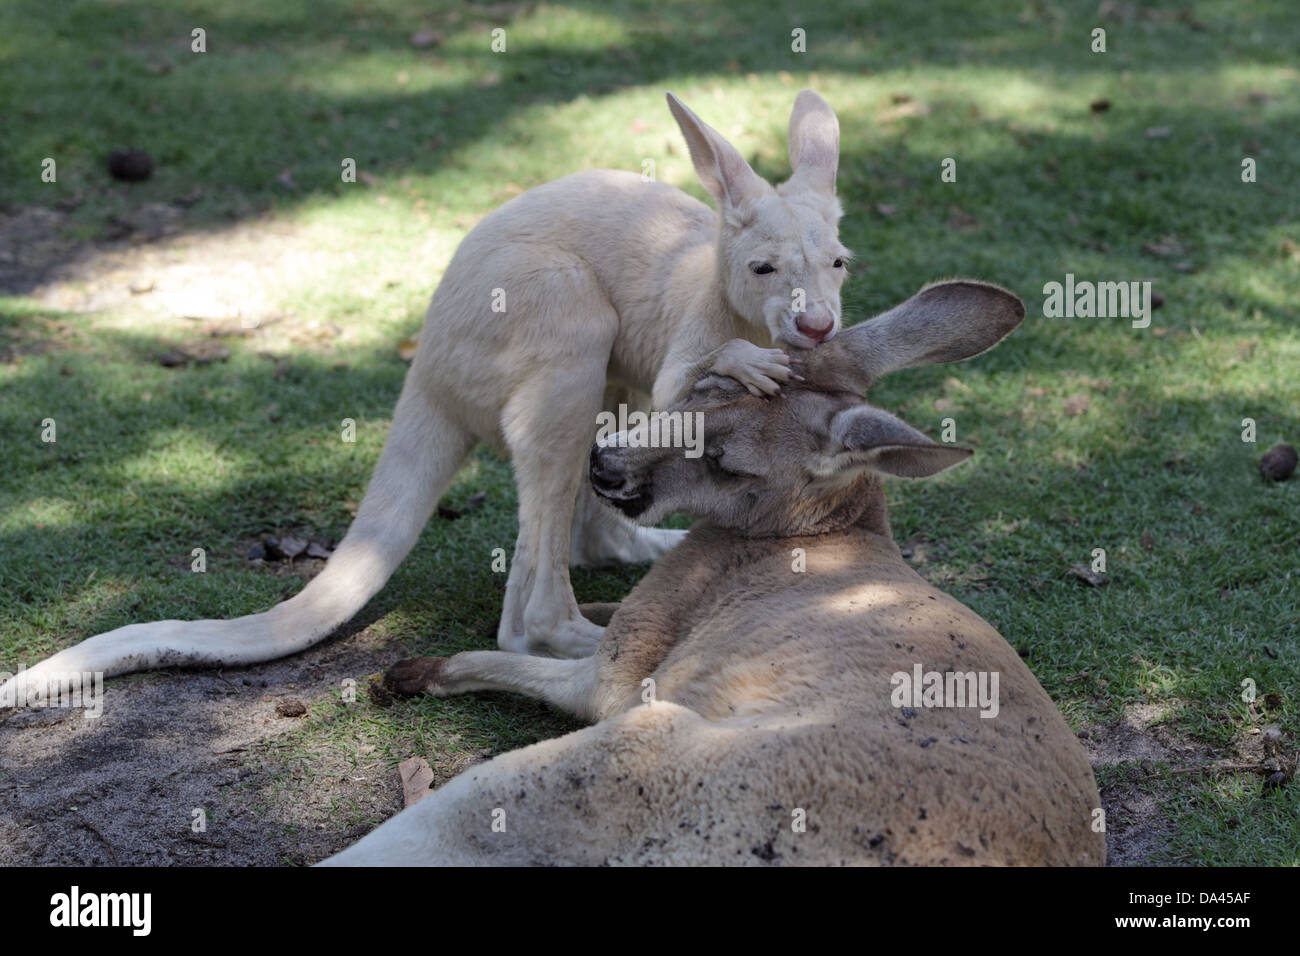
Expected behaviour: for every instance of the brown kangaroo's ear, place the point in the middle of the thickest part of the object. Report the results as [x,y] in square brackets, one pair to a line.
[814,143]
[718,164]
[867,437]
[944,322]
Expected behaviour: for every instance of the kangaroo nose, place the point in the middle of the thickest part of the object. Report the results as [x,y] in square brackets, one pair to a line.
[606,473]
[813,328]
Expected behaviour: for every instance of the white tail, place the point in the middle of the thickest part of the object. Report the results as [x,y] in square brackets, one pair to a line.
[421,456]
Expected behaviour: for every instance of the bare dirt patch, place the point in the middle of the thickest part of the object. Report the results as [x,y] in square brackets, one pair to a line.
[122,788]
[1136,829]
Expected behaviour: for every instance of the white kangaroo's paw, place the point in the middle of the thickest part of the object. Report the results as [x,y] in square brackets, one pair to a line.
[602,536]
[575,639]
[570,639]
[760,370]
[650,544]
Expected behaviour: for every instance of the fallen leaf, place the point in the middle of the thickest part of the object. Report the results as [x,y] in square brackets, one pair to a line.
[959,219]
[1088,575]
[902,110]
[283,549]
[1077,404]
[1166,247]
[200,353]
[406,349]
[417,778]
[318,549]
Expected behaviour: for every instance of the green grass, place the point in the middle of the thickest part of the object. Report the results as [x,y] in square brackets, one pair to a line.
[95,531]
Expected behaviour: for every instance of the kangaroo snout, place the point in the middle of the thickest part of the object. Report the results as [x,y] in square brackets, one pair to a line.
[612,481]
[607,473]
[817,327]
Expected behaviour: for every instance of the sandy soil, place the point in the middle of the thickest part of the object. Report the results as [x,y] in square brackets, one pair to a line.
[122,788]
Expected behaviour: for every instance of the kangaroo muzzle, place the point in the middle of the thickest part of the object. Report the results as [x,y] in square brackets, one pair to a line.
[611,481]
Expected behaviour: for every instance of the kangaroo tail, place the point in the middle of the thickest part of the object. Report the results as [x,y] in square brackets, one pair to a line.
[421,456]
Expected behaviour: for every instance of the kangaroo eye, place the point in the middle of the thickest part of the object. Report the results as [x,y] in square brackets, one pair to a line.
[838,264]
[762,268]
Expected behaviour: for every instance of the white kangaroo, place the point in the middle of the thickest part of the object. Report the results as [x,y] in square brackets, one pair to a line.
[746,696]
[594,279]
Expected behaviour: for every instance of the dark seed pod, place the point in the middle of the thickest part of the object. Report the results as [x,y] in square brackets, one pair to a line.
[130,165]
[1278,463]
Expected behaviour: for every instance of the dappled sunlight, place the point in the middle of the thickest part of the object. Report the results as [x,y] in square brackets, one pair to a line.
[40,511]
[170,457]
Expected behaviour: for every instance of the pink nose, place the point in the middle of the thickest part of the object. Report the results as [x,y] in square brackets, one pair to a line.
[812,329]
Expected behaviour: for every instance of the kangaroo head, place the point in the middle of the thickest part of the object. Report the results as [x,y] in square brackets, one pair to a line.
[803,462]
[780,260]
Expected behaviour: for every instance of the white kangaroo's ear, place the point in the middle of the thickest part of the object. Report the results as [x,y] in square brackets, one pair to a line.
[944,322]
[867,437]
[814,143]
[718,164]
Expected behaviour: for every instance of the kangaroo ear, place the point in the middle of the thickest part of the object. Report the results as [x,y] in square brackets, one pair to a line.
[814,143]
[718,164]
[944,322]
[867,437]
